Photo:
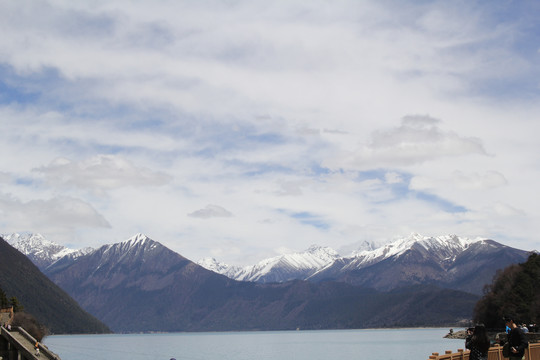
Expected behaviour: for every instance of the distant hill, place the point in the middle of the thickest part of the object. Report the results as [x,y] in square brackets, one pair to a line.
[140,285]
[42,298]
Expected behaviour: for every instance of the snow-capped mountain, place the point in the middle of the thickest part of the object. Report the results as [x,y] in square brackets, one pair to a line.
[444,248]
[40,251]
[139,252]
[139,285]
[20,278]
[317,259]
[410,275]
[448,261]
[212,264]
[279,268]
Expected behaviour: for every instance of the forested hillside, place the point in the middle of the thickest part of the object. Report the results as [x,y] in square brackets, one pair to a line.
[50,305]
[515,291]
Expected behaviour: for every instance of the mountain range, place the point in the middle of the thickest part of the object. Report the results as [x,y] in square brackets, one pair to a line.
[445,261]
[296,266]
[140,285]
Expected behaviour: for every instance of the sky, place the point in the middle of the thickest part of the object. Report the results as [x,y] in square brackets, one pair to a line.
[242,130]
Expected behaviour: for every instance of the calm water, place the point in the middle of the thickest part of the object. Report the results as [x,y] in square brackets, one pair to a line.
[379,344]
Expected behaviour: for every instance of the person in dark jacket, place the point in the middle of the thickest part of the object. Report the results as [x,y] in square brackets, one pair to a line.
[478,342]
[517,340]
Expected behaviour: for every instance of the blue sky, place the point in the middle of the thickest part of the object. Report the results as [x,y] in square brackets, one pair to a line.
[242,130]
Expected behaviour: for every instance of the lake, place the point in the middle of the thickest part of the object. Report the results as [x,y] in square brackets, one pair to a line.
[378,344]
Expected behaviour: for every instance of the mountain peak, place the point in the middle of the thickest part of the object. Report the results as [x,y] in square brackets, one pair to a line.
[445,244]
[317,249]
[27,239]
[136,245]
[279,268]
[138,239]
[40,251]
[212,264]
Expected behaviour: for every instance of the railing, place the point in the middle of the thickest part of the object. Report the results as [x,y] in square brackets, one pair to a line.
[494,353]
[28,354]
[42,349]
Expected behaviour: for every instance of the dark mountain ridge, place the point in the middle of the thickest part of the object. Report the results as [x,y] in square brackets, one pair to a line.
[40,297]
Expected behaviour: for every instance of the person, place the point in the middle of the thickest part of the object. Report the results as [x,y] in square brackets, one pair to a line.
[516,339]
[36,346]
[477,341]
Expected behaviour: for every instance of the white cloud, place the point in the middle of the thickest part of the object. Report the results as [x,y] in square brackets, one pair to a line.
[49,215]
[505,211]
[420,140]
[102,172]
[4,177]
[211,211]
[461,180]
[417,140]
[275,111]
[393,178]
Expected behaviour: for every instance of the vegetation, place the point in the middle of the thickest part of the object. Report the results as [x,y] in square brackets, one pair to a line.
[12,302]
[514,292]
[22,319]
[30,325]
[4,303]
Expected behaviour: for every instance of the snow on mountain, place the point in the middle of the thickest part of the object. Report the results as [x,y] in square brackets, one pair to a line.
[138,242]
[40,251]
[447,253]
[364,246]
[316,260]
[137,248]
[279,268]
[445,247]
[212,264]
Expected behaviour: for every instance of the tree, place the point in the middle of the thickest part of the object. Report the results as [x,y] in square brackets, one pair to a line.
[4,303]
[30,325]
[514,292]
[17,307]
